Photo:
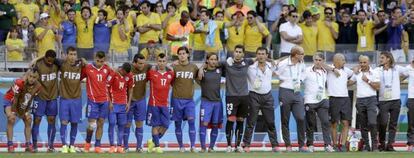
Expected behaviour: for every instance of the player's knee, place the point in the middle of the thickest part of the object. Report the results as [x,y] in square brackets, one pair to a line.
[139,124]
[64,122]
[231,118]
[128,125]
[51,119]
[239,119]
[101,122]
[92,125]
[11,119]
[37,120]
[205,123]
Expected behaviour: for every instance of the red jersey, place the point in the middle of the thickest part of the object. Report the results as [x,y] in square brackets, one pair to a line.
[96,82]
[160,84]
[16,88]
[119,86]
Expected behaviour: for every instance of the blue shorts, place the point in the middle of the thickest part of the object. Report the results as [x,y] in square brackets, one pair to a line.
[157,116]
[70,110]
[6,103]
[182,109]
[97,110]
[118,115]
[44,107]
[211,112]
[137,110]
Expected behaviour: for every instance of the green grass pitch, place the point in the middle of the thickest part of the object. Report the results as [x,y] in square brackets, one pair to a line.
[215,155]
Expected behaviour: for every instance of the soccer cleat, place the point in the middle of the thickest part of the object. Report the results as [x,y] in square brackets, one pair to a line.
[389,148]
[150,145]
[10,149]
[289,149]
[366,148]
[87,147]
[35,150]
[112,149]
[51,150]
[246,149]
[211,150]
[239,149]
[65,149]
[126,150]
[410,148]
[203,150]
[158,150]
[304,150]
[193,150]
[139,150]
[329,149]
[72,149]
[311,148]
[182,149]
[229,149]
[276,149]
[120,150]
[29,149]
[98,150]
[343,148]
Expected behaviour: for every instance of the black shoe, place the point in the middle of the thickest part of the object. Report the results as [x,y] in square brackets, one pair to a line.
[366,148]
[390,148]
[51,150]
[375,148]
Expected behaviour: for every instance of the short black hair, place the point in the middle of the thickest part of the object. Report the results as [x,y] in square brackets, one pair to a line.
[147,3]
[292,11]
[126,67]
[100,54]
[328,8]
[262,49]
[395,8]
[251,12]
[138,56]
[104,12]
[50,53]
[183,48]
[70,10]
[87,8]
[361,11]
[66,2]
[206,12]
[70,49]
[239,46]
[172,4]
[306,14]
[83,1]
[219,12]
[161,55]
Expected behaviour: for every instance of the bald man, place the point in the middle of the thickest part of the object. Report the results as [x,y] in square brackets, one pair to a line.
[367,82]
[289,72]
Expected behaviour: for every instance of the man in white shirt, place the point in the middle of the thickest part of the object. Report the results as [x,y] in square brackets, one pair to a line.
[410,104]
[290,34]
[367,83]
[389,99]
[289,72]
[314,80]
[259,79]
[340,107]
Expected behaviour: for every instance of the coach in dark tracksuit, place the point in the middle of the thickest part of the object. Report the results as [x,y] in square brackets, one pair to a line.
[409,72]
[289,72]
[259,77]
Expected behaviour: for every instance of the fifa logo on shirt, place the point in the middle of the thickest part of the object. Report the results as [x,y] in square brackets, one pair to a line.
[186,74]
[71,75]
[48,77]
[140,77]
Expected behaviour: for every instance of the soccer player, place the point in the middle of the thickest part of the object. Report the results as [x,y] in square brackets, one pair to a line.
[389,100]
[261,99]
[237,95]
[46,102]
[17,102]
[96,75]
[137,109]
[410,104]
[289,72]
[70,97]
[367,83]
[340,107]
[314,79]
[182,103]
[121,84]
[211,108]
[157,113]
